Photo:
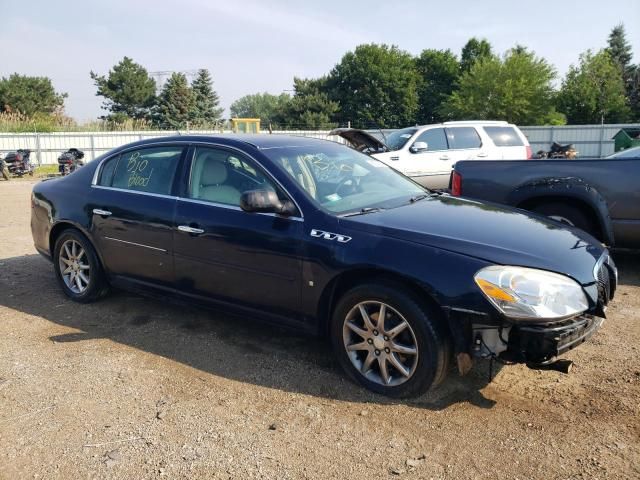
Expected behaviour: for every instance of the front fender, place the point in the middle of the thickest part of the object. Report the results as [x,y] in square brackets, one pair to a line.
[566,187]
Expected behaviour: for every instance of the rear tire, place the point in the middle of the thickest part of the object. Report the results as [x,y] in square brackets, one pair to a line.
[362,355]
[569,215]
[78,268]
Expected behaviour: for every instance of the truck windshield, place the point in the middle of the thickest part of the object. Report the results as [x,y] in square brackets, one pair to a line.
[398,138]
[342,180]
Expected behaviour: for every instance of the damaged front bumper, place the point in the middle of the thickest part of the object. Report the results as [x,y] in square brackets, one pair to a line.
[539,345]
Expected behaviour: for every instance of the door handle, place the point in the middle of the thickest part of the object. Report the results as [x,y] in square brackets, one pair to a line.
[192,230]
[102,213]
[483,154]
[444,157]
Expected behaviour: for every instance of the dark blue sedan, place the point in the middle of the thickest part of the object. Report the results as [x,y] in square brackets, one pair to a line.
[315,235]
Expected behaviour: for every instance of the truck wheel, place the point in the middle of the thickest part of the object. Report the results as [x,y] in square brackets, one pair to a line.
[77,267]
[389,342]
[569,215]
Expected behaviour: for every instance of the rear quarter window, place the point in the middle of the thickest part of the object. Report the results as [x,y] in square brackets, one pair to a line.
[504,136]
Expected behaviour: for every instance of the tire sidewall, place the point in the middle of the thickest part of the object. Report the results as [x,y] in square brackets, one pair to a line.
[423,324]
[96,277]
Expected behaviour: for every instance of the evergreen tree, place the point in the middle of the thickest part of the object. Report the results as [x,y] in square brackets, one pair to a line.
[619,47]
[175,103]
[206,110]
[128,90]
[620,51]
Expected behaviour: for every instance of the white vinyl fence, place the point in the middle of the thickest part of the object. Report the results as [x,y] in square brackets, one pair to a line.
[589,140]
[46,147]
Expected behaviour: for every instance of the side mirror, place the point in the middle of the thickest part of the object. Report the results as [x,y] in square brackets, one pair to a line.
[266,201]
[419,147]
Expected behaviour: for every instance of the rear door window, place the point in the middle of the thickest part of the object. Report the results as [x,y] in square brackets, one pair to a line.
[434,138]
[461,138]
[504,136]
[149,170]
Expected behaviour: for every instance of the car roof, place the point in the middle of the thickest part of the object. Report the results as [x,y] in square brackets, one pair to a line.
[259,141]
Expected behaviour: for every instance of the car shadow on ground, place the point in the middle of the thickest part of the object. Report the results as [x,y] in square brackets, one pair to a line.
[222,344]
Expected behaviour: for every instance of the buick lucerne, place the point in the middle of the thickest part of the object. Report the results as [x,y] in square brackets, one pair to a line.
[320,237]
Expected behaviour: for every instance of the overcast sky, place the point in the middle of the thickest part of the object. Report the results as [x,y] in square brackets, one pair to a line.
[251,46]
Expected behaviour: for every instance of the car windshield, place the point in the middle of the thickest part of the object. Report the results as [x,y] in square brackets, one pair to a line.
[398,138]
[342,180]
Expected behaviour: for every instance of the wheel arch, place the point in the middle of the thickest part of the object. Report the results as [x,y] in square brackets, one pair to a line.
[573,191]
[63,225]
[346,280]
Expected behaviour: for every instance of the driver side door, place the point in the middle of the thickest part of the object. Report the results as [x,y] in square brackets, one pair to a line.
[432,166]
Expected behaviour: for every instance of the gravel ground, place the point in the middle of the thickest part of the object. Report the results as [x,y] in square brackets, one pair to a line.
[134,388]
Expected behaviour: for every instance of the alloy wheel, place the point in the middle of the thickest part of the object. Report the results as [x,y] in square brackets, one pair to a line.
[380,343]
[74,266]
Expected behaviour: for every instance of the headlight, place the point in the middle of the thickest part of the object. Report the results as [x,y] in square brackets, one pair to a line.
[527,293]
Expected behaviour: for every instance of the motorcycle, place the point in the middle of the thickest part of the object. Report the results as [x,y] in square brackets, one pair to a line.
[4,171]
[70,161]
[559,151]
[18,163]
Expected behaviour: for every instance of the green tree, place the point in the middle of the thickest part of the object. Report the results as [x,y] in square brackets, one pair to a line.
[128,90]
[29,95]
[376,85]
[206,103]
[439,71]
[175,103]
[620,51]
[265,106]
[473,51]
[619,48]
[310,107]
[517,88]
[594,92]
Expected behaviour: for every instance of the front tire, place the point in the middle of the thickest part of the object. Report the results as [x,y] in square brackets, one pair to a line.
[388,341]
[77,267]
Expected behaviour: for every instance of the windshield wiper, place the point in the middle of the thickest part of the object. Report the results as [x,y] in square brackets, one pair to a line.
[417,198]
[363,211]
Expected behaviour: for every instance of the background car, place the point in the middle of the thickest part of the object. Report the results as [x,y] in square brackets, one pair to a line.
[427,153]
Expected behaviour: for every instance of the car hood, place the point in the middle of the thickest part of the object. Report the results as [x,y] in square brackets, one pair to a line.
[360,140]
[488,231]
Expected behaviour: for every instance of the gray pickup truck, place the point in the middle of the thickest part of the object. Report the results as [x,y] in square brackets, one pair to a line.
[600,196]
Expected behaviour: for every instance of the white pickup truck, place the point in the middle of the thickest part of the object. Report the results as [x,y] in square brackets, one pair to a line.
[428,153]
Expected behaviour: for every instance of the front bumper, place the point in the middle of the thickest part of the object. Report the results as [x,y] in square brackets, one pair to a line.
[539,345]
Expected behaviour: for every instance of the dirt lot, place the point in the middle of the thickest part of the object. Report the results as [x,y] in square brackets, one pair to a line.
[133,388]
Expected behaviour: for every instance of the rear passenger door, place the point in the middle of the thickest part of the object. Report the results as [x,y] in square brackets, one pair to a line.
[133,203]
[465,144]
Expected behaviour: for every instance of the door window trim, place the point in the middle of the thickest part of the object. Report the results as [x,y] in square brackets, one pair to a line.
[464,149]
[189,163]
[417,135]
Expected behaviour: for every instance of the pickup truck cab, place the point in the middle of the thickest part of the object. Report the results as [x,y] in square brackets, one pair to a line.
[427,153]
[600,196]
